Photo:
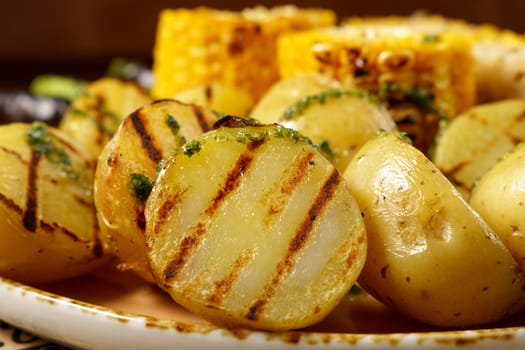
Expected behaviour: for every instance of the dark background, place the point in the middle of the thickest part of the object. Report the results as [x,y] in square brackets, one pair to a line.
[79,37]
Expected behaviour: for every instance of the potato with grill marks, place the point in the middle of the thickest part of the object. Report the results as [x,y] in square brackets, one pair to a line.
[48,226]
[127,168]
[249,225]
[218,97]
[95,114]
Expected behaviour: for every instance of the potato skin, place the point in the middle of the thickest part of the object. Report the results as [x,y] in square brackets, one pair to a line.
[144,138]
[430,256]
[499,197]
[48,226]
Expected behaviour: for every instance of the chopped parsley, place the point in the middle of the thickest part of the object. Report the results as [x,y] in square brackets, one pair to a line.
[173,124]
[326,150]
[420,96]
[304,103]
[40,140]
[141,186]
[431,38]
[192,148]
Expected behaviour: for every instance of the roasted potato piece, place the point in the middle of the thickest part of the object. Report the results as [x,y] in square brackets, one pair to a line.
[127,168]
[250,226]
[95,114]
[271,107]
[218,97]
[430,256]
[474,141]
[338,121]
[48,226]
[499,197]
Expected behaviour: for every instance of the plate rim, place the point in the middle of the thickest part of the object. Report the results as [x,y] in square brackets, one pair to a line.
[210,336]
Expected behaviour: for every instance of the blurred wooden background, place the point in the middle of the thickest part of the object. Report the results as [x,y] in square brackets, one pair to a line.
[80,36]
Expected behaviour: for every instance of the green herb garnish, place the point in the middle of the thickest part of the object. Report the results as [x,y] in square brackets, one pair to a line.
[326,150]
[420,96]
[173,124]
[304,103]
[431,38]
[141,186]
[40,140]
[191,148]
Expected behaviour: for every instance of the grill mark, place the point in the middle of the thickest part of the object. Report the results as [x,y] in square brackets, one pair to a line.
[296,244]
[187,244]
[13,153]
[10,203]
[29,219]
[208,93]
[69,146]
[147,142]
[166,208]
[234,176]
[191,241]
[223,287]
[355,249]
[201,119]
[288,183]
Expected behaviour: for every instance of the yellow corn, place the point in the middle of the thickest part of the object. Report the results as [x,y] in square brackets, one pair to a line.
[202,45]
[499,53]
[376,56]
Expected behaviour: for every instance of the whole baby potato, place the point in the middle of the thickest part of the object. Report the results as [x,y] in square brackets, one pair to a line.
[430,255]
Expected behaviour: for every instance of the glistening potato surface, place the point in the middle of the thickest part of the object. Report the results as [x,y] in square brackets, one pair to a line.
[250,226]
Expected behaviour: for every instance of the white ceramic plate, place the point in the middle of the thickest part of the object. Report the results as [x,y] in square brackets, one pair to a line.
[113,310]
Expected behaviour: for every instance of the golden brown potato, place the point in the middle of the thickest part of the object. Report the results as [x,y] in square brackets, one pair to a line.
[338,121]
[218,97]
[430,255]
[474,141]
[499,197]
[94,115]
[127,168]
[271,107]
[248,225]
[48,227]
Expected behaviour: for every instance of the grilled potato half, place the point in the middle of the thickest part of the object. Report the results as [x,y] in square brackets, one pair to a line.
[338,121]
[430,256]
[95,114]
[127,168]
[499,197]
[249,225]
[474,141]
[284,93]
[218,97]
[48,226]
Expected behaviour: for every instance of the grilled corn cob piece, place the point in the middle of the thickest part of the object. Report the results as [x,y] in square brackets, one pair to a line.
[499,53]
[202,45]
[422,77]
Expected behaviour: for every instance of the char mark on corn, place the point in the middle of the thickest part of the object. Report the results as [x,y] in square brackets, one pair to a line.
[147,142]
[297,243]
[29,219]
